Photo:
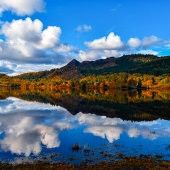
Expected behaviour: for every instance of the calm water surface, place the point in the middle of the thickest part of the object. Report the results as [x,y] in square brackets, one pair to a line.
[45,125]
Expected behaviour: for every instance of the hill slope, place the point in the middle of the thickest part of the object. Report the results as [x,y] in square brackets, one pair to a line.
[136,63]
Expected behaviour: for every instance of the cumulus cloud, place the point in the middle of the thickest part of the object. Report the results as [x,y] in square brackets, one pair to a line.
[25,143]
[148,41]
[29,141]
[134,42]
[109,132]
[65,48]
[133,132]
[112,45]
[111,42]
[27,35]
[88,55]
[22,7]
[144,46]
[27,41]
[84,28]
[112,128]
[49,136]
[111,53]
[98,54]
[27,127]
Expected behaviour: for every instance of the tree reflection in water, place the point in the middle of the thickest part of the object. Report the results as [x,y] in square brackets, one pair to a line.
[33,119]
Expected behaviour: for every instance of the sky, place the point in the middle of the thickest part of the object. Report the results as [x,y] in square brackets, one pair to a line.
[40,35]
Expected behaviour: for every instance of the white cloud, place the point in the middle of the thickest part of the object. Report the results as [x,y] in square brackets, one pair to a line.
[14,104]
[148,134]
[22,7]
[27,127]
[38,56]
[27,35]
[133,132]
[88,55]
[134,42]
[89,119]
[84,28]
[110,46]
[111,53]
[148,52]
[64,125]
[109,132]
[22,143]
[113,46]
[65,48]
[22,68]
[27,41]
[112,128]
[29,141]
[7,67]
[148,41]
[49,136]
[111,42]
[92,55]
[49,37]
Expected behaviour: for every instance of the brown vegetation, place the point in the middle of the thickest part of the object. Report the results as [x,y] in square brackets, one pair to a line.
[124,163]
[76,147]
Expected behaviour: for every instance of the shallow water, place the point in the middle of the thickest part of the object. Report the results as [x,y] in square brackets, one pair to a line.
[45,125]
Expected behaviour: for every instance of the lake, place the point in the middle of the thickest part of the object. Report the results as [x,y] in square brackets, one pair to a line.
[42,124]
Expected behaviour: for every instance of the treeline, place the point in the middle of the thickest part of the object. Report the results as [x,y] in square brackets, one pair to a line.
[127,81]
[109,81]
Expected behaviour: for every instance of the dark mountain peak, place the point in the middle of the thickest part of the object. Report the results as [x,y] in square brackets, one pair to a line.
[3,75]
[73,63]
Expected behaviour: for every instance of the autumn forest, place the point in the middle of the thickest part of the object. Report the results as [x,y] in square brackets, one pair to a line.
[134,71]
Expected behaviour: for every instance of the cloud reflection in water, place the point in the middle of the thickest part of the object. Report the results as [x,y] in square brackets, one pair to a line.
[27,125]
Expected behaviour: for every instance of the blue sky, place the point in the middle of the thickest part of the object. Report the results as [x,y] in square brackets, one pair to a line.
[42,34]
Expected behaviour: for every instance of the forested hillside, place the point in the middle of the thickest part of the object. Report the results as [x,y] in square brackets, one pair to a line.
[128,71]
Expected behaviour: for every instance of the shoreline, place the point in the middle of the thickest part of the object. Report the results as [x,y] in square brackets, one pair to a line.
[124,162]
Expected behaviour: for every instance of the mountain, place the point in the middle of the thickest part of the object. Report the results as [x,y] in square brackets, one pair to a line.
[3,75]
[135,63]
[74,69]
[73,63]
[138,63]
